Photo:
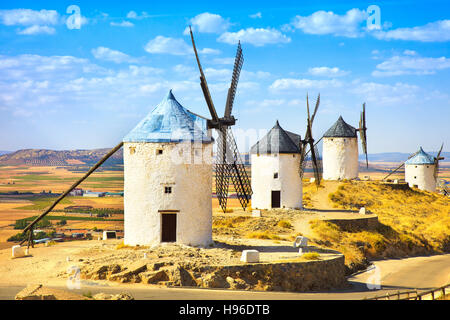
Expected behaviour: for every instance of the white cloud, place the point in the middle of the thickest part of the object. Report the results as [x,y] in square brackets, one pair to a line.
[36,29]
[399,94]
[257,15]
[410,52]
[37,22]
[438,31]
[327,22]
[132,15]
[103,53]
[292,84]
[209,51]
[208,23]
[28,17]
[257,37]
[174,46]
[410,63]
[229,61]
[327,72]
[126,24]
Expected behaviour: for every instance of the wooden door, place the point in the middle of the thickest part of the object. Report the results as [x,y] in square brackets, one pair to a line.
[276,199]
[169,227]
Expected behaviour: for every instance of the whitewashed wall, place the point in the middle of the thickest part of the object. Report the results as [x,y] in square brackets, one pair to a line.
[289,183]
[146,174]
[340,158]
[421,175]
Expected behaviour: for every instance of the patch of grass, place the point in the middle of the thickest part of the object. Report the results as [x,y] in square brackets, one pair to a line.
[311,256]
[41,203]
[284,224]
[263,235]
[33,177]
[229,222]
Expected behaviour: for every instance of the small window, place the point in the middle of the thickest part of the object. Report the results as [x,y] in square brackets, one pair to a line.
[344,140]
[415,177]
[275,175]
[159,151]
[415,167]
[428,166]
[132,150]
[167,189]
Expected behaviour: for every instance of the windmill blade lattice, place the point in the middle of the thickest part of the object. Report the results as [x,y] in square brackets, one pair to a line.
[238,62]
[229,166]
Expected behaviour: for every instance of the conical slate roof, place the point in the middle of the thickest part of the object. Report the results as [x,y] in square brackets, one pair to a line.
[169,121]
[340,129]
[277,140]
[421,157]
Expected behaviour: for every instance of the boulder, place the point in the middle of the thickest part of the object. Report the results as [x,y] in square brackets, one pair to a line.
[152,277]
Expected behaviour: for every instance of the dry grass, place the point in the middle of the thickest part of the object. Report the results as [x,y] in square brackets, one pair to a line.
[263,235]
[311,256]
[411,223]
[284,224]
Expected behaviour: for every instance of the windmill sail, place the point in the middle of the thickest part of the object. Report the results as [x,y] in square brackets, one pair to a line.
[315,160]
[229,165]
[238,62]
[362,132]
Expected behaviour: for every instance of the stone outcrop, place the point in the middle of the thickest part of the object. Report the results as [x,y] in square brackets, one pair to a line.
[287,276]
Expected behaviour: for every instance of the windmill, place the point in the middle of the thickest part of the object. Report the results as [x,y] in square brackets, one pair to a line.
[340,149]
[309,141]
[229,165]
[421,170]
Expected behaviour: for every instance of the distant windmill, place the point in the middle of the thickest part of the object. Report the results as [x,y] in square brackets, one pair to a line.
[340,149]
[421,170]
[279,160]
[229,164]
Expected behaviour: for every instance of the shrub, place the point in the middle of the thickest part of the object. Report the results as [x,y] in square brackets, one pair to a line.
[311,256]
[284,224]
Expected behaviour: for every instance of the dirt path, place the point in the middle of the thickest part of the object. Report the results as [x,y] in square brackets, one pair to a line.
[320,200]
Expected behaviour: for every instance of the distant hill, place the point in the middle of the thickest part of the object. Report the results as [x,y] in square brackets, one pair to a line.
[397,156]
[42,157]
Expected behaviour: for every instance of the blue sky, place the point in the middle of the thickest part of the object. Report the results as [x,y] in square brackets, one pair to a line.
[63,88]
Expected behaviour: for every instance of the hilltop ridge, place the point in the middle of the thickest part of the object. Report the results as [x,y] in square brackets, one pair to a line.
[44,157]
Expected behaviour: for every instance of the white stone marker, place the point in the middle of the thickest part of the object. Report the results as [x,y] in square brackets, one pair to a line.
[256,213]
[300,242]
[363,210]
[17,252]
[250,256]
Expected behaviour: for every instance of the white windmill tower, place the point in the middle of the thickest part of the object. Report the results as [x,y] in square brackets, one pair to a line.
[340,149]
[278,164]
[167,178]
[276,182]
[421,170]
